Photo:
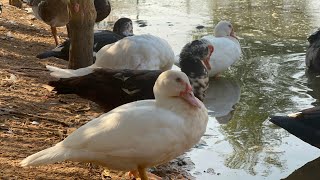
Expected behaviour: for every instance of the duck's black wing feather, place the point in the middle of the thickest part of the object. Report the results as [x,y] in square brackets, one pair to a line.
[304,125]
[110,88]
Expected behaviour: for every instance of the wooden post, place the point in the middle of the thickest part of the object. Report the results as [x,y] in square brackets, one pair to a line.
[83,15]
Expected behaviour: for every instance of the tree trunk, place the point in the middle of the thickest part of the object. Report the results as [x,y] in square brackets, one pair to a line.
[83,15]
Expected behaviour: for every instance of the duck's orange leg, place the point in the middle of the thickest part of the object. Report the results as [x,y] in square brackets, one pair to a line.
[143,174]
[54,34]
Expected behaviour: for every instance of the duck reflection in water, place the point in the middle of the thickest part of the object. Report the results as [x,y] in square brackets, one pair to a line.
[222,96]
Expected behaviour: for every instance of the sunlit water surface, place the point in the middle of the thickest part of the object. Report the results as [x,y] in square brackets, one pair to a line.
[269,79]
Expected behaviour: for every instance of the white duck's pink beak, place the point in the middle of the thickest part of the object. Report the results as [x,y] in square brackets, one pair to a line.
[206,62]
[188,96]
[232,34]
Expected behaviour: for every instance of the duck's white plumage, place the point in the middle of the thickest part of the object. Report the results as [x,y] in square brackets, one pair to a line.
[143,133]
[137,52]
[227,49]
[176,68]
[140,52]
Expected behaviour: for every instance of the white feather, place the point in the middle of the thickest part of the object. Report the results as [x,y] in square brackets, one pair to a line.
[47,156]
[175,67]
[67,73]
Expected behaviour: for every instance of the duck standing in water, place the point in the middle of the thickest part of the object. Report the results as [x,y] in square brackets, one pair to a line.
[55,12]
[313,52]
[304,125]
[112,88]
[226,46]
[122,28]
[137,135]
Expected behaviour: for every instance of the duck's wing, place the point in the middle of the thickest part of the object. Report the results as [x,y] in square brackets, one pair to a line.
[135,130]
[304,125]
[110,88]
[136,52]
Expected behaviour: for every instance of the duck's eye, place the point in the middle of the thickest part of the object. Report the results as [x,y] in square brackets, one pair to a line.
[230,26]
[178,80]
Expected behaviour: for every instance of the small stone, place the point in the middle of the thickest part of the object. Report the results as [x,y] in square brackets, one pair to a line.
[197,173]
[29,10]
[31,17]
[200,27]
[210,171]
[13,22]
[9,35]
[10,131]
[181,163]
[35,123]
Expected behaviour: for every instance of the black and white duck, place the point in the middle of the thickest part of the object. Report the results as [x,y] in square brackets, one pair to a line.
[55,12]
[123,27]
[111,88]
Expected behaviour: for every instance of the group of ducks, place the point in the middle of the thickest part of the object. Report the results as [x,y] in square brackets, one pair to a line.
[130,70]
[157,112]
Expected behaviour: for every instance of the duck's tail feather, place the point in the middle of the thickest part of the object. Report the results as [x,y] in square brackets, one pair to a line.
[48,54]
[283,121]
[305,129]
[63,86]
[48,156]
[67,73]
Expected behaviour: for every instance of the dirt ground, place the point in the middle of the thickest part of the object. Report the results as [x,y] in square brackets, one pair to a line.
[31,117]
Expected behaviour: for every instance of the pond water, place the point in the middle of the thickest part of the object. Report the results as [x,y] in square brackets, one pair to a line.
[269,79]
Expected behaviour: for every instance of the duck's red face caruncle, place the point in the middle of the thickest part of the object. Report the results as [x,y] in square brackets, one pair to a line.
[187,94]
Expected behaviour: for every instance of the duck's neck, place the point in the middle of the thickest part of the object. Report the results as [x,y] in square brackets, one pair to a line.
[193,117]
[198,76]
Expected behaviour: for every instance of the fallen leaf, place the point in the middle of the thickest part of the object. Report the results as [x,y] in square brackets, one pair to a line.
[49,88]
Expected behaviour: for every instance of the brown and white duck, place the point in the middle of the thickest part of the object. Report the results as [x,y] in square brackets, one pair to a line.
[123,27]
[111,88]
[55,12]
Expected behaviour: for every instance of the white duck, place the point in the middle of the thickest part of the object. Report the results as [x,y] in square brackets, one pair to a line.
[226,46]
[140,52]
[136,135]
